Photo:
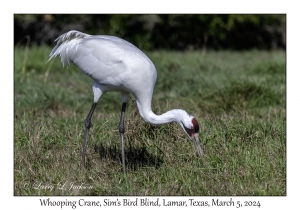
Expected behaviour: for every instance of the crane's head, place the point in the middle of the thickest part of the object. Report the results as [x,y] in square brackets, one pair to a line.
[191,128]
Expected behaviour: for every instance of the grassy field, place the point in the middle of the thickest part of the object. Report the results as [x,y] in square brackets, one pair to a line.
[238,98]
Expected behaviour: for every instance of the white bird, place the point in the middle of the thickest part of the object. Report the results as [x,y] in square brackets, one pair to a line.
[117,65]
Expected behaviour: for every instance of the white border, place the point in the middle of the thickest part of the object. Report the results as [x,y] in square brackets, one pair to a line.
[112,6]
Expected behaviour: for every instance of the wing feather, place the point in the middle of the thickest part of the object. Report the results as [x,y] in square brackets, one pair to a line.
[65,43]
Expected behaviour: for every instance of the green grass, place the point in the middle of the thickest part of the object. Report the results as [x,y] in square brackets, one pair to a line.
[238,98]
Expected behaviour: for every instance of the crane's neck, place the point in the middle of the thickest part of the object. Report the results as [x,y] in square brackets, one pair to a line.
[147,114]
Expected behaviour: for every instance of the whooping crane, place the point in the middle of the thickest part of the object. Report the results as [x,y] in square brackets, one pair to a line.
[117,65]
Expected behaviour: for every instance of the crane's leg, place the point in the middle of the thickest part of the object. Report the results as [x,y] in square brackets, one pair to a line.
[122,131]
[98,92]
[87,124]
[125,97]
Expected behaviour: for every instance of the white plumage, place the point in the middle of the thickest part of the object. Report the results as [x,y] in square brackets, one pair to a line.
[116,65]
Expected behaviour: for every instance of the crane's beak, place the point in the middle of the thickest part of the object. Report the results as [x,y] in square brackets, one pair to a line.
[196,141]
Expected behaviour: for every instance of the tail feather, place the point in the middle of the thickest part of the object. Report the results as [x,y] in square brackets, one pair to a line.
[64,43]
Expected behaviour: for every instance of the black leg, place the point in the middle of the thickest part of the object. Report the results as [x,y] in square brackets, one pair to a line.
[122,131]
[87,124]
